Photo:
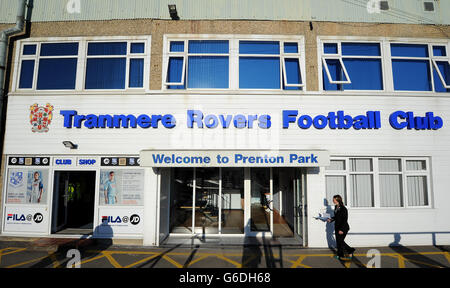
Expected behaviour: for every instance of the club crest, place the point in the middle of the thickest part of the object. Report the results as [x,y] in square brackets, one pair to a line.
[16,178]
[40,117]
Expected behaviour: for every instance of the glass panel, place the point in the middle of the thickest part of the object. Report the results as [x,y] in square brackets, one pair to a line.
[181,200]
[259,72]
[260,195]
[57,74]
[290,47]
[293,75]
[29,49]
[409,50]
[175,71]
[105,73]
[208,72]
[330,48]
[136,73]
[336,73]
[259,47]
[176,46]
[416,165]
[417,190]
[26,74]
[59,49]
[137,48]
[207,200]
[208,46]
[411,75]
[391,191]
[335,185]
[365,74]
[284,202]
[389,165]
[336,165]
[361,49]
[444,68]
[107,48]
[232,200]
[439,51]
[361,187]
[360,165]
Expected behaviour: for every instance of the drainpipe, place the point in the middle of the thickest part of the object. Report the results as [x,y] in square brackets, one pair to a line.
[4,37]
[5,34]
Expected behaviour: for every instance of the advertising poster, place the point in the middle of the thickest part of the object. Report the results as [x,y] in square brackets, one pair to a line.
[26,219]
[121,187]
[27,186]
[115,221]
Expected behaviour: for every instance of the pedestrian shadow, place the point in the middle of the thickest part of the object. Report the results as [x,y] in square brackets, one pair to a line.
[254,250]
[252,254]
[413,256]
[85,245]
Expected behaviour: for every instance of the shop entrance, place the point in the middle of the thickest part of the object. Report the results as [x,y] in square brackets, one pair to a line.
[240,201]
[73,202]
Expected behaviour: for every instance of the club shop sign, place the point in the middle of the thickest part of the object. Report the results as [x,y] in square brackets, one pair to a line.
[290,119]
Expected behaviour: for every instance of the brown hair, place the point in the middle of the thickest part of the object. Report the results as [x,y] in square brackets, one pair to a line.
[338,199]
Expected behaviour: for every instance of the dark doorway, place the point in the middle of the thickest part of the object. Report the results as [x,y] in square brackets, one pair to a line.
[73,202]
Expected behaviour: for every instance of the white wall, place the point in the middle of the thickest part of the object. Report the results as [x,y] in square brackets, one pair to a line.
[383,142]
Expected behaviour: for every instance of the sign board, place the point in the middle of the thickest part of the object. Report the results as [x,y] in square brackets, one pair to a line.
[234,158]
[29,219]
[116,221]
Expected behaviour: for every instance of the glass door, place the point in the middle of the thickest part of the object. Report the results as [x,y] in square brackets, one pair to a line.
[207,201]
[260,217]
[299,206]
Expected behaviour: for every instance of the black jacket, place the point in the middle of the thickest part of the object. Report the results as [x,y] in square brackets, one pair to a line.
[340,218]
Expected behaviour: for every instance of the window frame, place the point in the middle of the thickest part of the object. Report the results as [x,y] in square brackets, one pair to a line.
[234,55]
[82,61]
[386,59]
[376,180]
[338,56]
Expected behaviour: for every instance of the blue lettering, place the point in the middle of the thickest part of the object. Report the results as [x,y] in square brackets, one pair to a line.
[68,114]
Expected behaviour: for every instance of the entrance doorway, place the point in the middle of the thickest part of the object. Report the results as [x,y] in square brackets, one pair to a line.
[73,202]
[239,201]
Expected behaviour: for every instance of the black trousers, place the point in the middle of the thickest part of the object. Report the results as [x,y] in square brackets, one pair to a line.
[341,245]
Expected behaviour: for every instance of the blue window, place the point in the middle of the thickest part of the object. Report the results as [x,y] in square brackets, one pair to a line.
[56,66]
[263,66]
[259,72]
[107,48]
[57,73]
[352,66]
[108,65]
[136,78]
[26,74]
[291,47]
[105,73]
[442,76]
[107,68]
[259,47]
[137,48]
[414,69]
[59,49]
[207,64]
[258,64]
[411,75]
[330,48]
[29,49]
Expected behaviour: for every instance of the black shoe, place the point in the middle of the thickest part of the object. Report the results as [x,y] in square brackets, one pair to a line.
[351,252]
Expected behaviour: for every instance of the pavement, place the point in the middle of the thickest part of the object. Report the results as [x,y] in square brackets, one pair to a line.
[95,253]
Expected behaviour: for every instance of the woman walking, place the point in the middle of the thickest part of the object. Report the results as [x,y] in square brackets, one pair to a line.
[341,227]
